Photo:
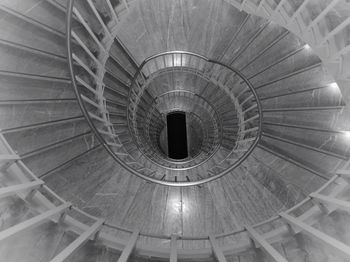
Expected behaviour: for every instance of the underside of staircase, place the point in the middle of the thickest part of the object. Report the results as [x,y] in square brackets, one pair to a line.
[85,90]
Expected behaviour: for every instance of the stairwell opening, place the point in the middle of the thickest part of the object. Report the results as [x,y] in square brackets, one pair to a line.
[177,135]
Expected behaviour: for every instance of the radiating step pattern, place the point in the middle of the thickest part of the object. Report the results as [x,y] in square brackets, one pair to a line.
[323,25]
[301,219]
[45,87]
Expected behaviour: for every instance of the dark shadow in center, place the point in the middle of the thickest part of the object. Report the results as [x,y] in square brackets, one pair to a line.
[177,135]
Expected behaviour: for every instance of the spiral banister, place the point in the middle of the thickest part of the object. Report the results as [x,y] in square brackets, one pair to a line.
[89,84]
[46,205]
[275,228]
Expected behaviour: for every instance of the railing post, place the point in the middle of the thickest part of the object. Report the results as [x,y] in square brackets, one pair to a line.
[112,11]
[265,246]
[341,248]
[11,190]
[345,174]
[6,160]
[326,200]
[216,249]
[33,222]
[77,243]
[129,247]
[173,248]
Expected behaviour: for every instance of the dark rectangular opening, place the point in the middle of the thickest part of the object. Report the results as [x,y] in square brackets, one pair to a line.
[177,135]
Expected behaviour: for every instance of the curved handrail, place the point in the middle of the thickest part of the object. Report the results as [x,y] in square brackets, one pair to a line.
[101,139]
[70,6]
[214,62]
[273,234]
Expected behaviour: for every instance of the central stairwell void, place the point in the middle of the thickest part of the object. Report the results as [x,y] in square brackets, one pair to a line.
[94,91]
[177,135]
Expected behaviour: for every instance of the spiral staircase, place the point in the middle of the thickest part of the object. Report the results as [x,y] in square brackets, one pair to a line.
[85,90]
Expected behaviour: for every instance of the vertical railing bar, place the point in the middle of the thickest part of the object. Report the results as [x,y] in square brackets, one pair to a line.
[173,248]
[340,247]
[216,249]
[81,240]
[129,247]
[89,30]
[112,11]
[85,48]
[267,248]
[94,10]
[33,222]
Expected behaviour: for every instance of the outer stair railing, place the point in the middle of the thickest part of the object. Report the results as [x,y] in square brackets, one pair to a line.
[332,196]
[325,29]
